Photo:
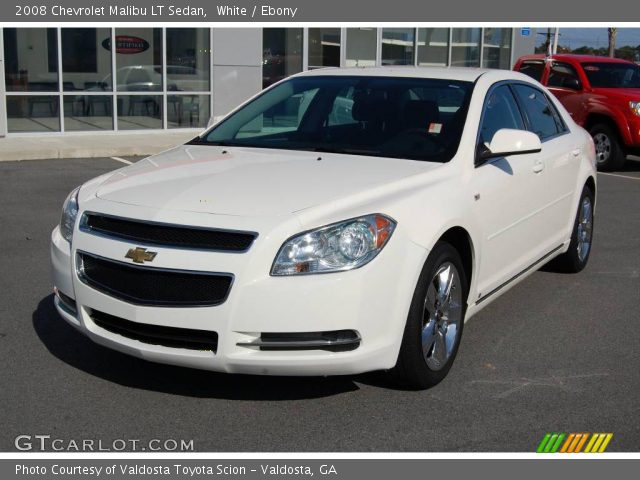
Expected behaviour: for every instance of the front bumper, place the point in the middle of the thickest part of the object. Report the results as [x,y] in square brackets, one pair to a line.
[372,301]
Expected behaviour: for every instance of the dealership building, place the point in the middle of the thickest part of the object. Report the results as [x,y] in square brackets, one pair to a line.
[57,81]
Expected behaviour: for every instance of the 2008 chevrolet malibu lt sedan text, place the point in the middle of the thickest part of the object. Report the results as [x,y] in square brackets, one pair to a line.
[342,221]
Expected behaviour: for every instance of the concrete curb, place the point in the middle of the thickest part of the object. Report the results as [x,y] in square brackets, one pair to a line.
[88,146]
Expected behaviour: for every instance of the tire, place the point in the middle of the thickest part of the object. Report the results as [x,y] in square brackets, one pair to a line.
[434,324]
[577,256]
[610,154]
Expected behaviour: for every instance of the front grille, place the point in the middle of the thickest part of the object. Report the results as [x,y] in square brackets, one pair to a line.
[153,286]
[153,233]
[157,334]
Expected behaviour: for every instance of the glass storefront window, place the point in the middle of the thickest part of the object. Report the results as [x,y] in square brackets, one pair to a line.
[187,111]
[86,59]
[188,62]
[88,112]
[465,47]
[33,113]
[281,54]
[361,47]
[139,112]
[433,47]
[324,47]
[31,59]
[397,46]
[138,59]
[497,48]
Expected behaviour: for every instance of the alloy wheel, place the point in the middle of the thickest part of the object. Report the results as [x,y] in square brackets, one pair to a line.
[603,147]
[585,228]
[442,316]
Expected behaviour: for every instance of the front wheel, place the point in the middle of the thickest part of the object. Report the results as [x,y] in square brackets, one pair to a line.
[435,322]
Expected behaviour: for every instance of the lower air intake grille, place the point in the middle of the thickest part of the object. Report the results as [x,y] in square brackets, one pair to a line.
[153,286]
[156,334]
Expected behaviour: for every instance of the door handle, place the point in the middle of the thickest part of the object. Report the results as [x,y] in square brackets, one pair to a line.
[576,152]
[538,167]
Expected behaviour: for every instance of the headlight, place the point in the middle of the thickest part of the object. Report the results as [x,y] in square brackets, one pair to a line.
[69,214]
[334,248]
[635,107]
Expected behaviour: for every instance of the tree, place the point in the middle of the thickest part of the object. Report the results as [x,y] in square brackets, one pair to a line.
[612,34]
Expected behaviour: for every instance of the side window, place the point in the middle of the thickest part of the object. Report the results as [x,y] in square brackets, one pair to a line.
[532,69]
[562,127]
[563,75]
[500,111]
[540,114]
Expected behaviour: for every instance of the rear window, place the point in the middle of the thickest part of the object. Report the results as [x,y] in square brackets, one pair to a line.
[532,69]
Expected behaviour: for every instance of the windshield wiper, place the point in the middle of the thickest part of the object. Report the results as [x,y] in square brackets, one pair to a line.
[348,151]
[201,141]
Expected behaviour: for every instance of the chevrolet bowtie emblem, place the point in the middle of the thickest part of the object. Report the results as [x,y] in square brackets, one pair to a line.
[140,255]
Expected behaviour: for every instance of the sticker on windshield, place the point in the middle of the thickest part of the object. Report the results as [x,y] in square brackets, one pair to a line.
[591,68]
[435,128]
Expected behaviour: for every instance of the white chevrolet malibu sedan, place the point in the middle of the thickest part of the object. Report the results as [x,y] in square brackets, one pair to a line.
[341,221]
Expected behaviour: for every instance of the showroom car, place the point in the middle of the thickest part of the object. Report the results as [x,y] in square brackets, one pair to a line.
[339,222]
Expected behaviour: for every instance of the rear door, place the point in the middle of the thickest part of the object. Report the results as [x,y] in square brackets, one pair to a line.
[559,161]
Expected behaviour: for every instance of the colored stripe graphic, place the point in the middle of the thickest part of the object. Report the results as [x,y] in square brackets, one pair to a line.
[543,443]
[567,442]
[581,443]
[574,442]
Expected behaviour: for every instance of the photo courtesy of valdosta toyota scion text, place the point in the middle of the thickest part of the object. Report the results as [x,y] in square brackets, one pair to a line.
[274,239]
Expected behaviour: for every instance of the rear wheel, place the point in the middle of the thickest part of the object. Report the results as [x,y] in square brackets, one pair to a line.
[609,152]
[577,256]
[435,322]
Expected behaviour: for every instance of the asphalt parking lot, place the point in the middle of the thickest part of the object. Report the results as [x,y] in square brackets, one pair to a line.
[558,353]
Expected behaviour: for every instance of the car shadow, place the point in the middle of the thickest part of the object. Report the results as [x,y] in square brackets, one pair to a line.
[78,351]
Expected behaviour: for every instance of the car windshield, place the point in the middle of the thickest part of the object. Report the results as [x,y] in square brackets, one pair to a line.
[412,118]
[612,75]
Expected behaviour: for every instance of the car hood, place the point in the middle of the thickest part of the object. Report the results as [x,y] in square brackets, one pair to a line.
[248,181]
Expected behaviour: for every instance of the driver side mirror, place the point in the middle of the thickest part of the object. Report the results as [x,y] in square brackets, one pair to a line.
[572,83]
[507,142]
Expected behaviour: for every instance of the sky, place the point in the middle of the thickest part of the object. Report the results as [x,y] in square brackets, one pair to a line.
[593,37]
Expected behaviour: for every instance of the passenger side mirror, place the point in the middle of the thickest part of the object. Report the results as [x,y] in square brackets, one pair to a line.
[508,141]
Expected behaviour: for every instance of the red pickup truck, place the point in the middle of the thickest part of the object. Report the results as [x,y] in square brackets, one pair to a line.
[602,95]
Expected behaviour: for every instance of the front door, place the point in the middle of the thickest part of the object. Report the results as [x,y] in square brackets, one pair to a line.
[509,195]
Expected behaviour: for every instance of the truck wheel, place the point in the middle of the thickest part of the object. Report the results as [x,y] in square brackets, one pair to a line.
[609,153]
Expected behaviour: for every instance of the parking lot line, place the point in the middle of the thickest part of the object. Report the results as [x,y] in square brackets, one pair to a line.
[122,160]
[618,175]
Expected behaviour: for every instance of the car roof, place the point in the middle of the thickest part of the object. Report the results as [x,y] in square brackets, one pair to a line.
[575,57]
[446,73]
